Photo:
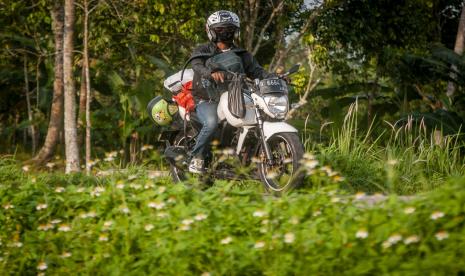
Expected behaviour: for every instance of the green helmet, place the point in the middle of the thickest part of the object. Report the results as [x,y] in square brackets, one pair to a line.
[161,112]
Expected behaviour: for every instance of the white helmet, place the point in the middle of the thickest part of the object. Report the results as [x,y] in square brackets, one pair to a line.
[222,19]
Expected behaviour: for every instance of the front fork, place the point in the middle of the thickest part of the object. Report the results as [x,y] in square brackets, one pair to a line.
[268,155]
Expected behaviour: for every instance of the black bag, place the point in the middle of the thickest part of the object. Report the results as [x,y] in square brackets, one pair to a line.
[236,103]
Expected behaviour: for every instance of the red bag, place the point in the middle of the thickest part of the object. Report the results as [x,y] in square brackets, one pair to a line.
[184,98]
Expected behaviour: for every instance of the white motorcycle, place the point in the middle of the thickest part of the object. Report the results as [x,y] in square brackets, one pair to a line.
[260,139]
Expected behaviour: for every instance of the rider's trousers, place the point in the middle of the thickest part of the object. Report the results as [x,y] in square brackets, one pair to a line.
[206,112]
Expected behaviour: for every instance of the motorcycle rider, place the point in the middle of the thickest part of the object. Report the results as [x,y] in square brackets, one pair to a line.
[210,82]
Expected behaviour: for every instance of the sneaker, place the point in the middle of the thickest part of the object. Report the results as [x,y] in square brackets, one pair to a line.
[196,165]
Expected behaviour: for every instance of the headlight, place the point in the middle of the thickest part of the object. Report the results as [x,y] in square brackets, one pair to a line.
[277,105]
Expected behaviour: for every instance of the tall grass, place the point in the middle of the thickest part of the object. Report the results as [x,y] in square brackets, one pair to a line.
[405,158]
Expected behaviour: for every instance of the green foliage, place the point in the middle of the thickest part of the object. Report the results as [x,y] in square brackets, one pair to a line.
[131,224]
[407,158]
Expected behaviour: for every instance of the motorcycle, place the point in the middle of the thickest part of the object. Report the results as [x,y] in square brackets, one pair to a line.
[260,139]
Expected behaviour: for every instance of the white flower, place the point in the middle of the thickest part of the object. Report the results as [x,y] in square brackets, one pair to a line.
[59,189]
[162,215]
[42,266]
[335,199]
[103,238]
[395,238]
[441,235]
[200,217]
[409,210]
[437,215]
[146,147]
[45,227]
[64,228]
[8,206]
[185,227]
[132,177]
[91,214]
[289,237]
[392,162]
[107,224]
[55,221]
[135,186]
[97,191]
[109,159]
[25,168]
[294,220]
[226,240]
[50,165]
[125,210]
[361,234]
[161,189]
[360,196]
[259,244]
[41,206]
[66,254]
[309,156]
[148,227]
[120,186]
[259,213]
[187,221]
[156,205]
[272,174]
[412,239]
[310,164]
[386,244]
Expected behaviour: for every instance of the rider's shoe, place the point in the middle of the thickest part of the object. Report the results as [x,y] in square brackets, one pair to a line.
[197,166]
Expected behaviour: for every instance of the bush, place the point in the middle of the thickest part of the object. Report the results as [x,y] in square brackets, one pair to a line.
[131,224]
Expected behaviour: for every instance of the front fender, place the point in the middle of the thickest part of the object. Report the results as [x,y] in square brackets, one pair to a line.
[270,128]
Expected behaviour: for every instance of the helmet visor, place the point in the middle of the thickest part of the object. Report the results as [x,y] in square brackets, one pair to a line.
[224,29]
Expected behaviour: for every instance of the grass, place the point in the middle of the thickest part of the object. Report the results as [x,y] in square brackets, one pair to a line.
[404,159]
[130,224]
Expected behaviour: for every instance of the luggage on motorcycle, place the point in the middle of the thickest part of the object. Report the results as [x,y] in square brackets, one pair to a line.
[161,111]
[184,98]
[236,102]
[269,86]
[174,84]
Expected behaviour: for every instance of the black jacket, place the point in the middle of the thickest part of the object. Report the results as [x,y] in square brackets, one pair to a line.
[200,55]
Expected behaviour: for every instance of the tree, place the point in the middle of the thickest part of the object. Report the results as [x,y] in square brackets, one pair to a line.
[459,47]
[70,125]
[56,114]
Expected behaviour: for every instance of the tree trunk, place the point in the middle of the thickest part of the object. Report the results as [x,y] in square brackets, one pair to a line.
[55,125]
[87,84]
[32,129]
[458,48]
[71,146]
[82,104]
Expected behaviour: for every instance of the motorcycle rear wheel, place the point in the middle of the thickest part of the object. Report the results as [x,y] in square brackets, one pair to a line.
[284,174]
[178,174]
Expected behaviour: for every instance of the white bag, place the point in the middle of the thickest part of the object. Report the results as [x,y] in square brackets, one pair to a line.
[173,82]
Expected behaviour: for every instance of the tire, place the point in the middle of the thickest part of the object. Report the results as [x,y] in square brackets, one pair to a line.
[285,173]
[178,174]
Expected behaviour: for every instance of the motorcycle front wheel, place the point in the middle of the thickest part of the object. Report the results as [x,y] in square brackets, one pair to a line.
[283,173]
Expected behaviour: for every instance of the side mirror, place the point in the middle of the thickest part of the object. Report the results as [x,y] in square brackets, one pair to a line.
[293,69]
